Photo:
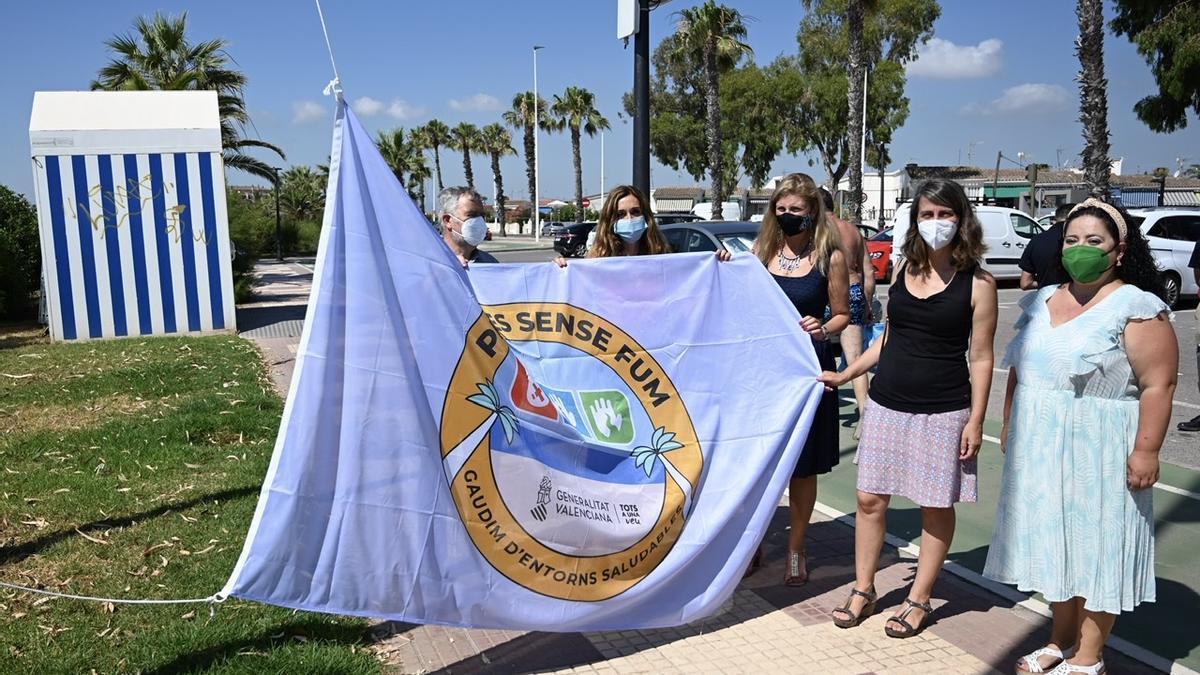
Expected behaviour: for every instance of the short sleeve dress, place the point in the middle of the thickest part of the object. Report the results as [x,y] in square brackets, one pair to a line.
[1067,525]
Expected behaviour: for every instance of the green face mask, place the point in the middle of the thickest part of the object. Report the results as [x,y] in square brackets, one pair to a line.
[1086,263]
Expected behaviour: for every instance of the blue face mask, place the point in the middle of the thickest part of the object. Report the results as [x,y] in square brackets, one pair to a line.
[630,229]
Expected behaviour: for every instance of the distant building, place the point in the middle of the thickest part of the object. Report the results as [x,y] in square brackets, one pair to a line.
[252,193]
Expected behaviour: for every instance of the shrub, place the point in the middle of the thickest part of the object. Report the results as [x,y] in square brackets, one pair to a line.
[20,253]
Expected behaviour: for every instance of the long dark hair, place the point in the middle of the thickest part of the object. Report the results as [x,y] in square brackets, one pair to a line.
[966,248]
[1137,265]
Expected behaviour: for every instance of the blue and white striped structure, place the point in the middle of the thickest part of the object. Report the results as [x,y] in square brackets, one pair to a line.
[134,233]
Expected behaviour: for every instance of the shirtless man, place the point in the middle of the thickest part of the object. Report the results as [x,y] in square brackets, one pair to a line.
[862,292]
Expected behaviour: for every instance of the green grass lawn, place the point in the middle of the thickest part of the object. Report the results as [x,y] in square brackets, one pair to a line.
[130,469]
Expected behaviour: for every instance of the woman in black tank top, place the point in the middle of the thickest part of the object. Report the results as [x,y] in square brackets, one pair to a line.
[923,423]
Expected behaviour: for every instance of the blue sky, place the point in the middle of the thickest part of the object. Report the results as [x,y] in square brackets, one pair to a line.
[1000,73]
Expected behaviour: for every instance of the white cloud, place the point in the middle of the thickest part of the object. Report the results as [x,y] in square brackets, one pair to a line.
[307,111]
[476,103]
[402,110]
[1023,98]
[942,59]
[367,106]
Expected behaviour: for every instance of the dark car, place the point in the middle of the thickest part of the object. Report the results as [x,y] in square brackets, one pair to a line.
[708,235]
[570,241]
[673,217]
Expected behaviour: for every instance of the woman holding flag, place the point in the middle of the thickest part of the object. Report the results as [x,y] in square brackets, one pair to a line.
[800,250]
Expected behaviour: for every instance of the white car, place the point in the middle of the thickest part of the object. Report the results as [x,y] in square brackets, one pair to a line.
[1005,232]
[1172,234]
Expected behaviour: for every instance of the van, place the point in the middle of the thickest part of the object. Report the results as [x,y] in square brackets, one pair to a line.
[1006,232]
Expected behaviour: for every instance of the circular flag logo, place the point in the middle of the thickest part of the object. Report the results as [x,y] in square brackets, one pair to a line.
[574,480]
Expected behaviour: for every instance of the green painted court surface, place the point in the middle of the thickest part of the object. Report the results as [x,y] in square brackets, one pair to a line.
[1167,627]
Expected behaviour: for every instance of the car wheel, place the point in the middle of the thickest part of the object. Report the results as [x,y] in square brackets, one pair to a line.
[1170,282]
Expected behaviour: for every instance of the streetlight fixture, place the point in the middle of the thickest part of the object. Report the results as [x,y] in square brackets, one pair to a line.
[278,223]
[537,187]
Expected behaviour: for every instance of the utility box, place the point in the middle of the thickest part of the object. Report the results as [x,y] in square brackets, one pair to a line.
[130,191]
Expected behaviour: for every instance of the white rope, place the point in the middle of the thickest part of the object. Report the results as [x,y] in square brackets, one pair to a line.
[334,84]
[211,600]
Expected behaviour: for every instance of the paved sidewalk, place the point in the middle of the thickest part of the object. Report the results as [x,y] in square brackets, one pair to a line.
[765,626]
[516,242]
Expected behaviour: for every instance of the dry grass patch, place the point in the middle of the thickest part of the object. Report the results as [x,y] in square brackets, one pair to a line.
[33,418]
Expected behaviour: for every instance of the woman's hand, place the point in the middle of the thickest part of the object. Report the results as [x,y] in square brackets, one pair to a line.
[724,255]
[831,380]
[972,439]
[812,326]
[560,261]
[1141,470]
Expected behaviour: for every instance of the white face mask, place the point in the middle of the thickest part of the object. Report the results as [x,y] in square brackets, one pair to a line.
[473,230]
[937,233]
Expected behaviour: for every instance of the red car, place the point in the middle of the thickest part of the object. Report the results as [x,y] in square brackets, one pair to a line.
[879,247]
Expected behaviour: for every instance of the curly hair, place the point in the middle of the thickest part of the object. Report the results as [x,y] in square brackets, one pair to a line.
[1137,266]
[966,248]
[609,245]
[770,235]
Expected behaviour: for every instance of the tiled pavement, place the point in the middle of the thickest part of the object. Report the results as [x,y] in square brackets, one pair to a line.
[764,627]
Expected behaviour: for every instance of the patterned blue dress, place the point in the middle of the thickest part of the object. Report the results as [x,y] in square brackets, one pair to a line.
[1067,525]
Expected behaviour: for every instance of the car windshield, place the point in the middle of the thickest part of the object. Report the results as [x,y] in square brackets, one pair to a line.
[737,242]
[886,235]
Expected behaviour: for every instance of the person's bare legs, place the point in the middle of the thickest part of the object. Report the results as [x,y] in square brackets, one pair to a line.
[937,531]
[852,343]
[802,497]
[1064,631]
[870,525]
[1094,628]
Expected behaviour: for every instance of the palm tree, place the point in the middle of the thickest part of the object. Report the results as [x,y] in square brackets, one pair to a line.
[158,56]
[406,160]
[465,138]
[418,170]
[712,34]
[576,110]
[437,134]
[497,142]
[856,66]
[522,117]
[301,193]
[1093,101]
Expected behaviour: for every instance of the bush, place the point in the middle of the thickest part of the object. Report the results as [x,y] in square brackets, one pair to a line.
[20,253]
[308,236]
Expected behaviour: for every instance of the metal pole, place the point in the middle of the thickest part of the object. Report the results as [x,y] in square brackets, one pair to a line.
[641,95]
[881,167]
[863,147]
[601,193]
[996,179]
[278,223]
[537,187]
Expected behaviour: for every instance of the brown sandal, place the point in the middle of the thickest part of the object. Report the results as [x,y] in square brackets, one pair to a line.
[907,630]
[862,615]
[796,570]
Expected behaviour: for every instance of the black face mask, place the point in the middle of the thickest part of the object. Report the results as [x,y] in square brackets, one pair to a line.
[793,224]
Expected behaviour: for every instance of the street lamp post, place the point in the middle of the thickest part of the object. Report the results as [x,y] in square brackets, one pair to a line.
[641,97]
[537,188]
[278,223]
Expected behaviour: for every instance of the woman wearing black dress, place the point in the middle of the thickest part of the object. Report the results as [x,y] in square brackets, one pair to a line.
[801,253]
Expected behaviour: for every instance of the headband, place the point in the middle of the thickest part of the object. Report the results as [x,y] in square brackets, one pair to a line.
[1112,212]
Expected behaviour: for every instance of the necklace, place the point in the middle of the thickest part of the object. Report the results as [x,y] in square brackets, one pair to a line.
[788,265]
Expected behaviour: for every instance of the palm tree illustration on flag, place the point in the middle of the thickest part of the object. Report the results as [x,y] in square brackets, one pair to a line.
[489,399]
[661,443]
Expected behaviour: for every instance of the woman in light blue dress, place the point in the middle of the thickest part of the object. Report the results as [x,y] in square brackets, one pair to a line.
[1091,375]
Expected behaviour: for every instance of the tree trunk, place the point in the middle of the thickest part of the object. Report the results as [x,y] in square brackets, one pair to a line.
[437,165]
[530,174]
[857,66]
[466,151]
[712,104]
[578,174]
[499,207]
[1093,101]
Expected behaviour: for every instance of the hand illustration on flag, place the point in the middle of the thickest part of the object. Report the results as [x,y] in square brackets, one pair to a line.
[522,446]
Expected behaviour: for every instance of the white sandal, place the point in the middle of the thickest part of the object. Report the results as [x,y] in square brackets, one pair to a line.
[1029,663]
[1065,668]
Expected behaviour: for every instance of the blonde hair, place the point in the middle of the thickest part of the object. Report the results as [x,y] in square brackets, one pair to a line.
[770,235]
[608,244]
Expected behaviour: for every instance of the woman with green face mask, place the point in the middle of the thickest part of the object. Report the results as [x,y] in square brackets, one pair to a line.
[1091,376]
